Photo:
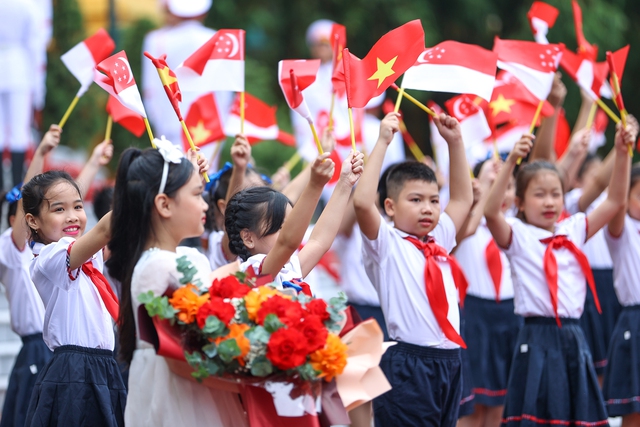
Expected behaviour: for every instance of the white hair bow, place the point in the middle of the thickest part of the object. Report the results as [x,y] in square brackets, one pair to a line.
[171,154]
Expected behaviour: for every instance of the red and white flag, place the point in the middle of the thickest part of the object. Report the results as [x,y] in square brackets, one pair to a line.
[128,119]
[260,122]
[294,76]
[532,63]
[585,48]
[506,136]
[598,138]
[541,17]
[81,59]
[118,81]
[473,123]
[218,65]
[453,67]
[590,76]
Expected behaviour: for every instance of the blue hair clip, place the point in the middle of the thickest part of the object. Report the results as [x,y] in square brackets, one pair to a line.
[14,194]
[266,179]
[213,179]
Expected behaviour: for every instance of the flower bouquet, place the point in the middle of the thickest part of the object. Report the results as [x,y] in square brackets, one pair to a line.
[254,334]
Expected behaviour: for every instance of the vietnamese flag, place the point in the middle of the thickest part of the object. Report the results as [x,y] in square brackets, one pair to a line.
[260,122]
[542,16]
[118,81]
[203,122]
[294,76]
[83,57]
[169,81]
[392,55]
[128,119]
[584,47]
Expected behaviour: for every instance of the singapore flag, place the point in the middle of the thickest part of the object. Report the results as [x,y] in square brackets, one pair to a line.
[218,65]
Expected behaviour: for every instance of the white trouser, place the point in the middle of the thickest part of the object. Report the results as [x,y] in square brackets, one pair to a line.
[15,120]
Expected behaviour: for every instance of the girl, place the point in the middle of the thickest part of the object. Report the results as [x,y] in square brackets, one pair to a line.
[490,326]
[552,379]
[254,219]
[158,203]
[622,374]
[82,384]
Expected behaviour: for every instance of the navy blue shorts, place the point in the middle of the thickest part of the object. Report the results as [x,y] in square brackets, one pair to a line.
[426,387]
[621,388]
[552,380]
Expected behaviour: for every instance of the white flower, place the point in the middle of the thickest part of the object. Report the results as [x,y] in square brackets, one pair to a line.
[170,153]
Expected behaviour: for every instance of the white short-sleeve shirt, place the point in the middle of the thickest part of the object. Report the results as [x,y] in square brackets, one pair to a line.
[470,253]
[215,252]
[526,254]
[396,269]
[25,305]
[290,271]
[625,251]
[74,311]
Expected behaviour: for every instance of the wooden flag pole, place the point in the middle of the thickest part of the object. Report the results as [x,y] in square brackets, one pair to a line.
[608,110]
[496,153]
[68,112]
[293,161]
[592,115]
[333,103]
[413,147]
[398,100]
[353,133]
[315,137]
[216,151]
[193,146]
[533,122]
[146,124]
[107,133]
[242,112]
[623,111]
[415,101]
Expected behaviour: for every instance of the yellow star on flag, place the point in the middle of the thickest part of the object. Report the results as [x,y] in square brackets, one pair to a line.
[501,105]
[199,133]
[165,76]
[384,70]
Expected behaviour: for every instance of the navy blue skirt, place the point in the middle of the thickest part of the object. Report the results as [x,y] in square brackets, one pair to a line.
[32,358]
[467,402]
[491,332]
[621,388]
[599,327]
[78,387]
[552,380]
[426,387]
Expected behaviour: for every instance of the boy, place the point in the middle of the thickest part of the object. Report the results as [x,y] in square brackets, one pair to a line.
[409,265]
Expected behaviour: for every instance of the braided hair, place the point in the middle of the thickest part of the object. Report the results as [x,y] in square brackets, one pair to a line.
[258,209]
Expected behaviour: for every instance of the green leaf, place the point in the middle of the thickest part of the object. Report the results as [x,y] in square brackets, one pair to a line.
[261,367]
[212,367]
[194,359]
[214,326]
[272,323]
[228,350]
[157,306]
[188,271]
[307,372]
[258,334]
[339,302]
[146,297]
[241,276]
[210,350]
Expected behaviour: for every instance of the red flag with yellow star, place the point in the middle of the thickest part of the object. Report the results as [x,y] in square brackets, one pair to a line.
[338,42]
[169,81]
[390,57]
[203,122]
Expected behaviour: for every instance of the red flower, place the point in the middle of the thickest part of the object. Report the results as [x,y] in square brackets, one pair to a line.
[289,312]
[318,307]
[228,287]
[314,332]
[287,348]
[215,307]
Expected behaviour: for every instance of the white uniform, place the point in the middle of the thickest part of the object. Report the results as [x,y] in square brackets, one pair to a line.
[25,305]
[471,256]
[396,269]
[526,254]
[625,251]
[74,311]
[178,43]
[214,251]
[290,271]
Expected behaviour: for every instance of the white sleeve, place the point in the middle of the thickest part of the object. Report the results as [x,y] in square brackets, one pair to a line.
[445,232]
[621,243]
[376,250]
[254,262]
[576,228]
[51,265]
[571,200]
[156,274]
[9,253]
[518,236]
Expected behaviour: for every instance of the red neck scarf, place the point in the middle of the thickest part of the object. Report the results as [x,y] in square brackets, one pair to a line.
[494,264]
[434,285]
[551,269]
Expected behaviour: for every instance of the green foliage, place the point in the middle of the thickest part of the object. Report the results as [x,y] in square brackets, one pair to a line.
[188,271]
[261,367]
[336,307]
[272,323]
[257,334]
[307,372]
[157,306]
[228,349]
[214,327]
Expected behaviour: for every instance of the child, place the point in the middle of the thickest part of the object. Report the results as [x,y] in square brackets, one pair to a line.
[25,305]
[158,203]
[552,378]
[81,385]
[255,216]
[622,374]
[416,280]
[490,326]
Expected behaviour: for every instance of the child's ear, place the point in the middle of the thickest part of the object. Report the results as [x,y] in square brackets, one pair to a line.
[31,221]
[222,206]
[248,238]
[389,207]
[162,205]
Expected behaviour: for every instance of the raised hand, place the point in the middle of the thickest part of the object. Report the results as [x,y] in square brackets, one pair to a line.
[241,152]
[352,168]
[321,170]
[389,126]
[521,149]
[449,128]
[103,153]
[50,140]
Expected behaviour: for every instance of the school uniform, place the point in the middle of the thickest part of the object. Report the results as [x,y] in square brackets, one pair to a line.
[621,388]
[490,325]
[27,318]
[214,251]
[552,379]
[288,277]
[597,327]
[424,368]
[82,384]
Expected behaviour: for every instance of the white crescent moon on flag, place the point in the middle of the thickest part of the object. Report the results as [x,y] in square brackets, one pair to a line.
[123,59]
[421,58]
[456,109]
[235,44]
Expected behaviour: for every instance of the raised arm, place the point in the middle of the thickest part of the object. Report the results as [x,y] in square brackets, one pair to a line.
[481,186]
[583,114]
[569,164]
[460,191]
[544,148]
[100,156]
[326,229]
[364,197]
[90,242]
[500,229]
[240,156]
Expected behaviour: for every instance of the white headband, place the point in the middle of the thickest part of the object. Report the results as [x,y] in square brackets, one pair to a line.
[170,154]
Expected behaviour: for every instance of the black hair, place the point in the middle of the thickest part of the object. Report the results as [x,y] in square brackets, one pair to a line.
[137,184]
[258,209]
[382,184]
[103,201]
[407,171]
[585,164]
[13,207]
[478,167]
[526,174]
[34,192]
[635,176]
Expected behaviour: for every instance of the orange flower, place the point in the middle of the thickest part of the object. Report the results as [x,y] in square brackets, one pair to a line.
[187,301]
[331,359]
[236,331]
[254,299]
